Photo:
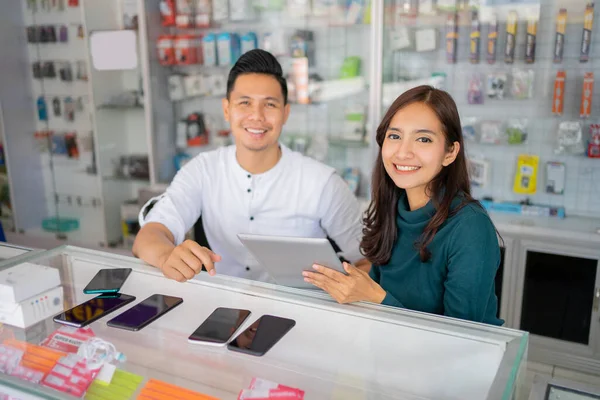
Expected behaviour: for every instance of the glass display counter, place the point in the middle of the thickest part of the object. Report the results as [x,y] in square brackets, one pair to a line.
[358,351]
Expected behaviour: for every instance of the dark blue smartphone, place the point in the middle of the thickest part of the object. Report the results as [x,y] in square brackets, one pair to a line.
[108,280]
[93,309]
[145,312]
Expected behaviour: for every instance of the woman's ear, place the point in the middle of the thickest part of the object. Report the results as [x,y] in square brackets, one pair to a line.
[451,154]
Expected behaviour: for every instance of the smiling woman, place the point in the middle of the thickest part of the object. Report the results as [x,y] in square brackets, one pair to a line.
[433,247]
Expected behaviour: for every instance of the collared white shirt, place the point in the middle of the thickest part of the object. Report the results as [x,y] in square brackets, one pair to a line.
[297,197]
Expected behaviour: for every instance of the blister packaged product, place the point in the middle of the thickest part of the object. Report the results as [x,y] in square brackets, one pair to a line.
[475,91]
[522,83]
[516,131]
[496,85]
[569,138]
[470,129]
[492,132]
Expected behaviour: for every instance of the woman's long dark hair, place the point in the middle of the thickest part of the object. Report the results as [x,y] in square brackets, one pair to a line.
[380,231]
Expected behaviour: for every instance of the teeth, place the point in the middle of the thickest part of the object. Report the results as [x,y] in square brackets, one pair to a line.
[406,168]
[256,131]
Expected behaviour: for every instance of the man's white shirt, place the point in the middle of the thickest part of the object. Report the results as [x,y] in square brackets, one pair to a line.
[297,197]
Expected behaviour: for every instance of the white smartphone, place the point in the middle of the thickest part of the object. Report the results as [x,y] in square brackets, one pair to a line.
[219,327]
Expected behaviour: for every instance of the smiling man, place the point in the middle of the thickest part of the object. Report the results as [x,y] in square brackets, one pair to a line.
[255,186]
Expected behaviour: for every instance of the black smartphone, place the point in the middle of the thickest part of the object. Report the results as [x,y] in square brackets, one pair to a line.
[261,335]
[219,327]
[108,280]
[93,309]
[145,312]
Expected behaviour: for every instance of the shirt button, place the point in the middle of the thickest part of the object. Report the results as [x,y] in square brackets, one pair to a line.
[249,190]
[249,176]
[251,218]
[247,268]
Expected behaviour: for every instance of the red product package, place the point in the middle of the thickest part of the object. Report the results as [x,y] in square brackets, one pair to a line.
[261,389]
[68,339]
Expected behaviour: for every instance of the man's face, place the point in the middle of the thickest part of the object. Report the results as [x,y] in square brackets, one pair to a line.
[256,112]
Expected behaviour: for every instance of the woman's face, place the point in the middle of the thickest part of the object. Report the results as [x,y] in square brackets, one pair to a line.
[414,150]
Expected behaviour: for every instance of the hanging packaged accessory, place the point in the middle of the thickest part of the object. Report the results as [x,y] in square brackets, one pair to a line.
[569,139]
[475,38]
[475,92]
[555,177]
[522,83]
[491,132]
[167,12]
[81,71]
[527,173]
[516,131]
[496,86]
[69,109]
[593,150]
[470,128]
[530,41]
[56,106]
[479,171]
[49,70]
[42,109]
[559,93]
[63,35]
[37,70]
[511,37]
[492,41]
[185,12]
[586,38]
[80,32]
[586,95]
[451,37]
[51,32]
[559,41]
[66,72]
[33,34]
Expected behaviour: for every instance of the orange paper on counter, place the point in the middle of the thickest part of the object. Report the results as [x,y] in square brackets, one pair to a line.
[158,390]
[36,357]
[559,93]
[586,95]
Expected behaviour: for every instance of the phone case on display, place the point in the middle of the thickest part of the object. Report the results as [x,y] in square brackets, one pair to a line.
[49,70]
[42,109]
[66,72]
[82,71]
[37,70]
[51,33]
[69,109]
[33,34]
[56,106]
[64,34]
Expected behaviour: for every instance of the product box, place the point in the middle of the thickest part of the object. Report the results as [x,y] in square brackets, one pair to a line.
[32,310]
[26,280]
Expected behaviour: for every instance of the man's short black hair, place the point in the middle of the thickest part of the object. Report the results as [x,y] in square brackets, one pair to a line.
[257,61]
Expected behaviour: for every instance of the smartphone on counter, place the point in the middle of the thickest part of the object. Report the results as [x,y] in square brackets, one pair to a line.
[93,309]
[263,334]
[145,312]
[108,280]
[219,327]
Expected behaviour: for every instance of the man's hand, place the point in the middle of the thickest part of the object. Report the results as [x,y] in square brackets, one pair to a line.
[356,286]
[187,259]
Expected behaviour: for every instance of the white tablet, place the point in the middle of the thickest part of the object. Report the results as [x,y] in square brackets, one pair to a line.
[284,258]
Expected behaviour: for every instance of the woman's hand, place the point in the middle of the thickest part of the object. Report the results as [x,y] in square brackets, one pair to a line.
[356,286]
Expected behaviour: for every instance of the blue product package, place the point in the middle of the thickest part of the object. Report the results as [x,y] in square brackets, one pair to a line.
[209,49]
[42,109]
[249,41]
[59,144]
[228,48]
